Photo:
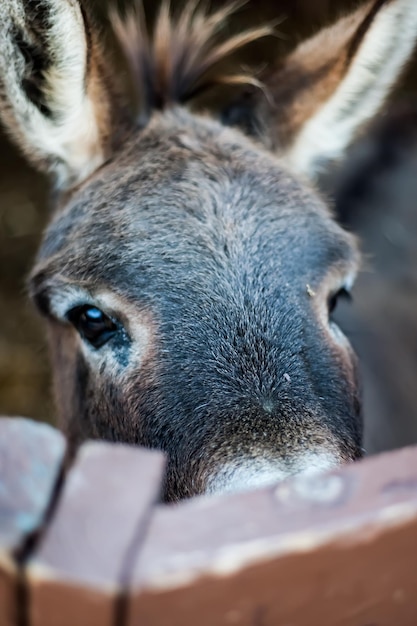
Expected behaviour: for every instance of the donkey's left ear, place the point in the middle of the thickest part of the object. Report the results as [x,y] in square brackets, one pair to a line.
[334,83]
[53,96]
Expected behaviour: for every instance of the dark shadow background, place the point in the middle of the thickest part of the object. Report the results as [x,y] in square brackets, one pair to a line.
[375,195]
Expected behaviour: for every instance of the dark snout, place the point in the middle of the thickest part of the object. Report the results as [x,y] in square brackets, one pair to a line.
[241,449]
[250,397]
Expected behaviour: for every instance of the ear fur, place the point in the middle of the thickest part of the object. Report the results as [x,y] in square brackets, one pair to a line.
[53,96]
[333,84]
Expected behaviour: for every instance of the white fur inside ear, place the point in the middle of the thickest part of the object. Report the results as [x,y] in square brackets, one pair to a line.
[77,137]
[387,46]
[69,138]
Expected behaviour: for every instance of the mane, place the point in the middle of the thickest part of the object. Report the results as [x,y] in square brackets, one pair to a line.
[178,60]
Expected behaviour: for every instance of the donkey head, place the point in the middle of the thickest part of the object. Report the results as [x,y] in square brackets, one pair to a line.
[190,273]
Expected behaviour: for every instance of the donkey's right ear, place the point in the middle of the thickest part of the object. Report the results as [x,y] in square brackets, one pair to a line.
[54,101]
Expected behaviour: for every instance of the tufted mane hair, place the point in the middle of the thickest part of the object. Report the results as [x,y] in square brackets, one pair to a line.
[178,60]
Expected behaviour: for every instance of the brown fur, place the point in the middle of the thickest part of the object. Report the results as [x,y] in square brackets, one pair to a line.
[311,74]
[180,59]
[300,84]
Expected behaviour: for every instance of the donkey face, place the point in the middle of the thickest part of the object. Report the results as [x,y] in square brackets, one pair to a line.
[189,281]
[205,259]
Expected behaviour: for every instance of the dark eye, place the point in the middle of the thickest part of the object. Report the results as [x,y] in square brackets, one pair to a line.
[93,325]
[336,297]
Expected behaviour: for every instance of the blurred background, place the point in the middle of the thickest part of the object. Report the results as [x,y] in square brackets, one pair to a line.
[374,194]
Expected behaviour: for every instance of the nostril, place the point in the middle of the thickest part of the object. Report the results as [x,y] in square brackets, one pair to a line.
[268,406]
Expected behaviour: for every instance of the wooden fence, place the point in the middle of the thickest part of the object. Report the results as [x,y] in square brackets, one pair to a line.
[96,548]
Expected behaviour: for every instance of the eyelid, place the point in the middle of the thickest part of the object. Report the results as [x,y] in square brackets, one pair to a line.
[344,284]
[54,296]
[349,280]
[61,297]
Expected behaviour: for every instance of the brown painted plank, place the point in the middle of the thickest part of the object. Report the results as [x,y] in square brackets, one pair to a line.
[31,456]
[76,574]
[337,550]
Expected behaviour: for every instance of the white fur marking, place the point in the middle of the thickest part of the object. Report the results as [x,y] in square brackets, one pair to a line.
[386,48]
[245,474]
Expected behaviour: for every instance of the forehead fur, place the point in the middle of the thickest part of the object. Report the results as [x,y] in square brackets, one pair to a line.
[187,185]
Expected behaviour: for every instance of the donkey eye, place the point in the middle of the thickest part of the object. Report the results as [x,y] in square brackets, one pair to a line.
[343,293]
[93,325]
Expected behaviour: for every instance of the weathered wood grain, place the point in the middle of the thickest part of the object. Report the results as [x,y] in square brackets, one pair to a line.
[337,550]
[31,456]
[76,575]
